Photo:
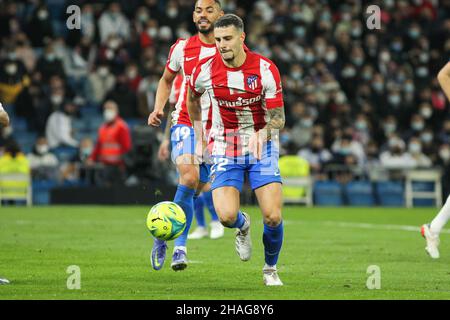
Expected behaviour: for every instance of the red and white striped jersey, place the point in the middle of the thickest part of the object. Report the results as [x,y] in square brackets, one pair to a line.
[240,98]
[184,55]
[176,88]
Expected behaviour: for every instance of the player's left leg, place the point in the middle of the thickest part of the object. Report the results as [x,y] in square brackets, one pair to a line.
[265,180]
[431,231]
[200,231]
[270,201]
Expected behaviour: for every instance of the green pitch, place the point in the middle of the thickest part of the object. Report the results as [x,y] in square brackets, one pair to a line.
[325,255]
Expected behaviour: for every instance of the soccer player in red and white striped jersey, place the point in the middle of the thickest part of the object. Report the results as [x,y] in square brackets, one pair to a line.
[183,57]
[247,111]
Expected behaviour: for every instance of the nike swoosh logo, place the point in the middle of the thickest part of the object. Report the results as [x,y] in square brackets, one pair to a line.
[156,262]
[190,58]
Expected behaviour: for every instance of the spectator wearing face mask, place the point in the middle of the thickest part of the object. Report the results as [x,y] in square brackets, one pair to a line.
[43,163]
[316,154]
[387,126]
[362,129]
[444,134]
[124,98]
[301,132]
[40,28]
[114,139]
[415,149]
[100,82]
[113,22]
[347,145]
[49,64]
[76,170]
[133,77]
[13,77]
[428,145]
[396,157]
[59,127]
[416,126]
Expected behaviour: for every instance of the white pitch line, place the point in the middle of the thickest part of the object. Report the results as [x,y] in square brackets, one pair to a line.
[345,224]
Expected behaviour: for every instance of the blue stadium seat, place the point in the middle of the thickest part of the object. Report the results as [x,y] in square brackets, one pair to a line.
[19,124]
[132,122]
[423,186]
[95,122]
[359,193]
[41,191]
[88,112]
[26,140]
[390,193]
[65,154]
[328,193]
[80,125]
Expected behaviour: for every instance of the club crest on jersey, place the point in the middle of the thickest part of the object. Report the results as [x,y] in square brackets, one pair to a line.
[252,82]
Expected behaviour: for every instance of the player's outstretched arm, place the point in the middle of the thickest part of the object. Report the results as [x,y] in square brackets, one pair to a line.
[4,118]
[162,95]
[444,79]
[163,151]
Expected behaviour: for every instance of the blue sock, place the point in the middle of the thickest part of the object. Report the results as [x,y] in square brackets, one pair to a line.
[185,199]
[240,220]
[199,212]
[208,199]
[272,239]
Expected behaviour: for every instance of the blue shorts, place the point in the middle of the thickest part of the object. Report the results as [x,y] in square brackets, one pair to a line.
[182,139]
[205,170]
[231,172]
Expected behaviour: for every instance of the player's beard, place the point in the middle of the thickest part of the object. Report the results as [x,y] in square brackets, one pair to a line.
[205,31]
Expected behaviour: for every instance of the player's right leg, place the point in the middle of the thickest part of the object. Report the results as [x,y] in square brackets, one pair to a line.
[431,231]
[182,140]
[227,179]
[227,202]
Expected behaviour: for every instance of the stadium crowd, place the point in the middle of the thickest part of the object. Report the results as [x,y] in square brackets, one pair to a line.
[354,97]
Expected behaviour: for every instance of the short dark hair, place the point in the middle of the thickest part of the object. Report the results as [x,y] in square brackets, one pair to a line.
[230,20]
[216,1]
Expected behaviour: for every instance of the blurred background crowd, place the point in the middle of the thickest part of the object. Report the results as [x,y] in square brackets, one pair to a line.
[355,98]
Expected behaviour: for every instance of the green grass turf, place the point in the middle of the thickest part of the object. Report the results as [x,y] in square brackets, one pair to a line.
[325,256]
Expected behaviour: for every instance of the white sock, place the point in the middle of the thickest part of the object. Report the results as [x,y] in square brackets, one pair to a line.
[441,219]
[245,226]
[180,248]
[266,266]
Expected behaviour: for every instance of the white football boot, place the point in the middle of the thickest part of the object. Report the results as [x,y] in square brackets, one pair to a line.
[198,233]
[432,241]
[270,276]
[243,241]
[217,230]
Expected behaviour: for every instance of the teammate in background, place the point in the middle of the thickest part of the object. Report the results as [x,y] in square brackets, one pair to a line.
[184,56]
[248,110]
[431,231]
[217,230]
[4,118]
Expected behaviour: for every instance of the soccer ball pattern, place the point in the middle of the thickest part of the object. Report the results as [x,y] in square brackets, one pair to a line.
[166,220]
